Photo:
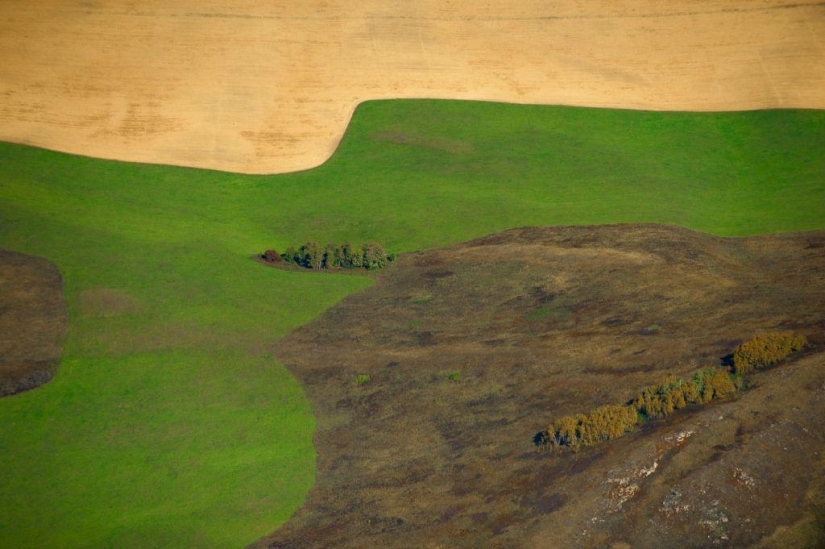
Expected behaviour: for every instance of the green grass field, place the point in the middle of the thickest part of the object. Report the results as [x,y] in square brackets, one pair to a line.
[172,426]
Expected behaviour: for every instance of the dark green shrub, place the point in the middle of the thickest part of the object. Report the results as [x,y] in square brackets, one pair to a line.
[331,257]
[338,256]
[290,256]
[356,259]
[373,256]
[312,256]
[347,255]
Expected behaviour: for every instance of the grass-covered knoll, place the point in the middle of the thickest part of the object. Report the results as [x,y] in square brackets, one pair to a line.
[169,425]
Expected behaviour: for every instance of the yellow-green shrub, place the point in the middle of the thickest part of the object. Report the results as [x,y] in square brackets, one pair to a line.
[717,385]
[608,422]
[612,421]
[766,349]
[663,399]
[600,425]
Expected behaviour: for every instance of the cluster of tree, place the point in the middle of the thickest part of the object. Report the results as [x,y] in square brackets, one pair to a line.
[765,350]
[657,401]
[312,256]
[600,425]
[674,394]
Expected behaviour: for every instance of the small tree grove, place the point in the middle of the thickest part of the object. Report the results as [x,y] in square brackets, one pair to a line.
[311,255]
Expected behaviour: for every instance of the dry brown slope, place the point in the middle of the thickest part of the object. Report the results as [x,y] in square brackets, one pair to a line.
[269,87]
[474,348]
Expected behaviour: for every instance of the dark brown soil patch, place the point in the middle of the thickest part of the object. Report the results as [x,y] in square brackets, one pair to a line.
[33,321]
[470,350]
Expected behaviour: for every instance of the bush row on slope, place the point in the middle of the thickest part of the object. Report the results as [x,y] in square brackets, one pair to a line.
[658,401]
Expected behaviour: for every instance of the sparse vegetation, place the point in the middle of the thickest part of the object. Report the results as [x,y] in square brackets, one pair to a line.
[362,379]
[765,350]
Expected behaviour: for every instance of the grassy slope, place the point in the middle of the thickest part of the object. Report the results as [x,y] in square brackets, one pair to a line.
[170,426]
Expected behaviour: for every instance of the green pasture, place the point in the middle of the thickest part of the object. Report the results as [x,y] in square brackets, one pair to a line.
[171,425]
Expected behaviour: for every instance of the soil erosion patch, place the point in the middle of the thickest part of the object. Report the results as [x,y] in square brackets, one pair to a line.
[33,321]
[430,385]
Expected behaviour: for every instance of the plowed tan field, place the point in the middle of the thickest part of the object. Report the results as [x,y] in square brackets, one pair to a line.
[261,87]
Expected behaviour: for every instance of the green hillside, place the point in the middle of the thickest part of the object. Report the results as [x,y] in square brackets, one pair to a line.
[169,425]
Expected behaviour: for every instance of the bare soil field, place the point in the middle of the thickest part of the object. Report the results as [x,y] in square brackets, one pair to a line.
[263,87]
[429,387]
[33,321]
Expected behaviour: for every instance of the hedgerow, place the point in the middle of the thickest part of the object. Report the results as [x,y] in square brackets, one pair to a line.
[312,256]
[658,401]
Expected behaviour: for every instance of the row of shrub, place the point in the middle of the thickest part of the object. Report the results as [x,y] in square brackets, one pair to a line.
[657,401]
[312,256]
[674,394]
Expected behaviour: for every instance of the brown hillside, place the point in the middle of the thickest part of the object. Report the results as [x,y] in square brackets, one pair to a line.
[33,321]
[470,350]
[261,87]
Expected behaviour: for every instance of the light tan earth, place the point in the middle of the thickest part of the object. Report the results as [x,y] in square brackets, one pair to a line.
[258,87]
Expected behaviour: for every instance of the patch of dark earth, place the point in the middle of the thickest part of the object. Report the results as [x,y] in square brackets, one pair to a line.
[472,349]
[33,321]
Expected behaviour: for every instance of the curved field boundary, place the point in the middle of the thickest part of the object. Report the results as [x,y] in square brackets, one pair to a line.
[170,424]
[266,88]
